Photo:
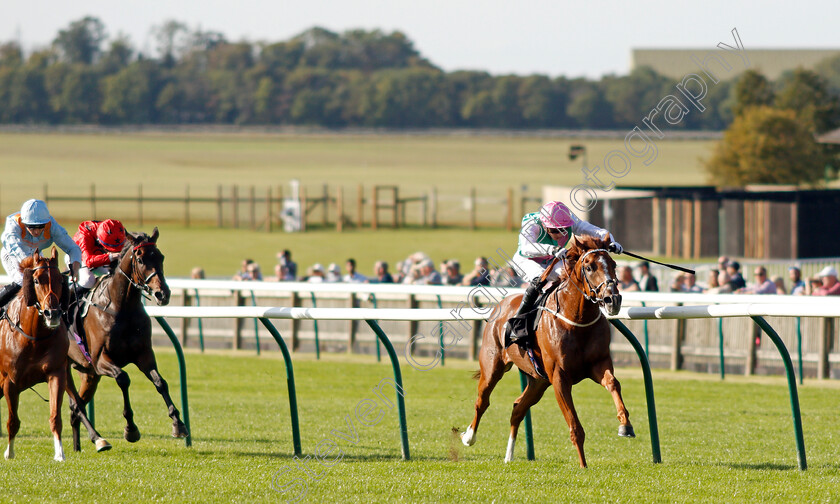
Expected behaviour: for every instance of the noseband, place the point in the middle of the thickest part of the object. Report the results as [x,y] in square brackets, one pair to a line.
[50,293]
[595,289]
[144,287]
[16,327]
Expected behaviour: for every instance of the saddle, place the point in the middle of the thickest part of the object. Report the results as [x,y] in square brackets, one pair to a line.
[77,310]
[522,330]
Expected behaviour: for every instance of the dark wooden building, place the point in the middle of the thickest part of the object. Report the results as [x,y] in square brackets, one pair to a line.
[692,222]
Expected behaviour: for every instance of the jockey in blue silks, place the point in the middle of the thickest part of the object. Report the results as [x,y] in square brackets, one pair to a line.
[31,229]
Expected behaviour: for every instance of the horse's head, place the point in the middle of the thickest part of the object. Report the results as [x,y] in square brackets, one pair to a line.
[593,267]
[43,286]
[142,257]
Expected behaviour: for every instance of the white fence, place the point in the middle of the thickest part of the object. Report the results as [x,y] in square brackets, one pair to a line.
[678,343]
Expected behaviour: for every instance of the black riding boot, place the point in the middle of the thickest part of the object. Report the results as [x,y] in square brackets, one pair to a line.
[7,293]
[517,330]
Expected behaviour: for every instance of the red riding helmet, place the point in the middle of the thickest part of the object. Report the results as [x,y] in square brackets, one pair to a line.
[111,235]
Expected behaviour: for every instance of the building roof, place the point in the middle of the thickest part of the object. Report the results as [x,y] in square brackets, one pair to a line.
[676,63]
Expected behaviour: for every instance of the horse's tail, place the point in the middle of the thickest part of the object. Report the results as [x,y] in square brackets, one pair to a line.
[476,375]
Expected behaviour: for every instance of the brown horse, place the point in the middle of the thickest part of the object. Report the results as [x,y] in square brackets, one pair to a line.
[119,332]
[572,340]
[33,348]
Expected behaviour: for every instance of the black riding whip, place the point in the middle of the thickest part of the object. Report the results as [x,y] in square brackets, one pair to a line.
[672,266]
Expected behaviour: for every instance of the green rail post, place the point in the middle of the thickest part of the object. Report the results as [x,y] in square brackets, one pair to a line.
[372,299]
[440,336]
[182,369]
[200,329]
[651,405]
[799,347]
[647,337]
[256,326]
[290,383]
[794,396]
[317,343]
[529,431]
[395,363]
[720,347]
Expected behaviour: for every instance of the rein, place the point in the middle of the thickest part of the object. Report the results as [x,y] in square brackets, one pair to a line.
[594,289]
[50,293]
[14,325]
[144,289]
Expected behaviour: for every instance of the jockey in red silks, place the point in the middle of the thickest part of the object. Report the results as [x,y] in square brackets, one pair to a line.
[31,229]
[544,235]
[101,243]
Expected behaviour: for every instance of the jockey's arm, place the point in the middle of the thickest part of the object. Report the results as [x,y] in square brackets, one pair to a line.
[529,245]
[12,239]
[65,243]
[581,227]
[91,256]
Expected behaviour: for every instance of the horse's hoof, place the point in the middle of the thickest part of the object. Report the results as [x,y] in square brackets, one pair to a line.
[131,435]
[468,438]
[8,454]
[179,430]
[59,458]
[626,431]
[103,445]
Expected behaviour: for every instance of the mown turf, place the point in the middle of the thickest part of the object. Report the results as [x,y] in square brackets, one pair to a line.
[726,441]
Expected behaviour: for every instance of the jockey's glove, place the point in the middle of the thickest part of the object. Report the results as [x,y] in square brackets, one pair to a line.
[559,252]
[615,248]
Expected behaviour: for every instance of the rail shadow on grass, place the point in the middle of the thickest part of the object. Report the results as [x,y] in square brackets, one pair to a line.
[760,466]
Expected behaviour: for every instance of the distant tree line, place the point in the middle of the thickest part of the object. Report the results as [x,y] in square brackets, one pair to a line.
[357,78]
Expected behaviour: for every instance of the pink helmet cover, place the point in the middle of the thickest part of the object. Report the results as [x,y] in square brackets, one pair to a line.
[555,214]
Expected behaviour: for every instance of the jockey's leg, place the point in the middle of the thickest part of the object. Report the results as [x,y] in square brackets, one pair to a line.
[7,293]
[10,263]
[532,272]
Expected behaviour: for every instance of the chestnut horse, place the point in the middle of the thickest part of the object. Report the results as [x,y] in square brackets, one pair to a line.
[572,340]
[119,332]
[33,349]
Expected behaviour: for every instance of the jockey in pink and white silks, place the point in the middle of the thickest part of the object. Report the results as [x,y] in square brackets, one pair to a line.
[543,236]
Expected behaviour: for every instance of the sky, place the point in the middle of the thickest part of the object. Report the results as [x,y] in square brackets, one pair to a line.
[583,38]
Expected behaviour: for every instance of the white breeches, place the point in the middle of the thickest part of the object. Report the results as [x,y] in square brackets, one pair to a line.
[87,276]
[528,269]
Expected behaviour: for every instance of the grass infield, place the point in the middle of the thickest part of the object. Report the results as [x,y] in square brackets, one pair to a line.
[728,441]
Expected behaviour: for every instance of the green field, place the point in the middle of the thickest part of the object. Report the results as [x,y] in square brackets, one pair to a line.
[726,441]
[165,163]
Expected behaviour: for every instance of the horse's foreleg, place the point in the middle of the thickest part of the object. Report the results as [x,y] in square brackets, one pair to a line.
[87,389]
[492,370]
[13,424]
[563,393]
[603,373]
[107,368]
[77,415]
[57,383]
[530,396]
[149,367]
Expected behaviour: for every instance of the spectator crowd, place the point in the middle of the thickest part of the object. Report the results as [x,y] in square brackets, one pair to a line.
[420,269]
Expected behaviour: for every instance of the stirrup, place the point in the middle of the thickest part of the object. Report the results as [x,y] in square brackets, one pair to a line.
[537,368]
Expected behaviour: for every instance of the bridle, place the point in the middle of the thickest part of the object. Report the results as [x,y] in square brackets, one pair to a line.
[16,326]
[50,293]
[144,288]
[592,295]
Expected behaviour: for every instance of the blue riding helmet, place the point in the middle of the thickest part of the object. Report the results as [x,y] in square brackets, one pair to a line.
[34,213]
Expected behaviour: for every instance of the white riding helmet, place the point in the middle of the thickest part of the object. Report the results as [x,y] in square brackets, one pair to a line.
[34,212]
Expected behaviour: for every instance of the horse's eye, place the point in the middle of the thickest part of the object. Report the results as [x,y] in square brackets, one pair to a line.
[588,268]
[36,281]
